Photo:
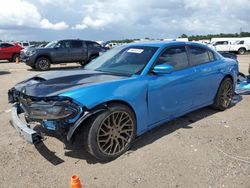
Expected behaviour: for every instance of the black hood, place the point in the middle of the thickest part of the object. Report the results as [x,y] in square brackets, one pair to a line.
[56,82]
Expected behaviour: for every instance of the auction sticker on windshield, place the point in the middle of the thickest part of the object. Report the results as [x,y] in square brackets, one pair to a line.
[135,50]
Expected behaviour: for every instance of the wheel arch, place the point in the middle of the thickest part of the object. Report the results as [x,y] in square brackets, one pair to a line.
[95,111]
[121,102]
[14,54]
[44,55]
[242,48]
[93,55]
[228,76]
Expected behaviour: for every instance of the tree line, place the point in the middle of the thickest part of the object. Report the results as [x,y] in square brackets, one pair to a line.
[194,37]
[190,37]
[209,36]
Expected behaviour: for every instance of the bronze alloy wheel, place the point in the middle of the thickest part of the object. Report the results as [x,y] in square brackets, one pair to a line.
[226,94]
[115,133]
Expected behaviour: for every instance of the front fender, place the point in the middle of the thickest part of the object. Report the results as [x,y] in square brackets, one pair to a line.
[131,91]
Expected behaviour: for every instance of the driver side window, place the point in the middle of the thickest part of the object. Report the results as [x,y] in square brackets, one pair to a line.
[63,44]
[175,56]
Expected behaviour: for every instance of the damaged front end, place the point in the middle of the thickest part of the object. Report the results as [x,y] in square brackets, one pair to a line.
[58,114]
[243,85]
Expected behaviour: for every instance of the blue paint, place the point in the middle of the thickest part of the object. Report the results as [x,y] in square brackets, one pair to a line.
[155,98]
[159,98]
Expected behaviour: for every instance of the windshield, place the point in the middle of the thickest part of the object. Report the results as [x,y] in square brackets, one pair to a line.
[51,44]
[126,60]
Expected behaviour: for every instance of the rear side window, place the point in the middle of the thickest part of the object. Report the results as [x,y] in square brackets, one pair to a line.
[198,55]
[211,55]
[6,45]
[76,44]
[175,56]
[93,44]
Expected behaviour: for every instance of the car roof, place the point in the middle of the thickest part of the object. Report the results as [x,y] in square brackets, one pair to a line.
[76,40]
[160,44]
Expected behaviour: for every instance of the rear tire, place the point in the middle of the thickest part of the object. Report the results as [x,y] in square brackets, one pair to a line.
[110,133]
[224,95]
[42,64]
[91,58]
[241,51]
[83,63]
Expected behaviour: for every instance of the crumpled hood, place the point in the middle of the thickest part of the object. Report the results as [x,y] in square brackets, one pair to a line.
[56,82]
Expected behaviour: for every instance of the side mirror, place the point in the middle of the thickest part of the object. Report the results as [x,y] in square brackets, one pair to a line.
[163,69]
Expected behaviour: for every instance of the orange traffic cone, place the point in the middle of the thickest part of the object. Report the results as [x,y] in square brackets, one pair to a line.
[17,60]
[75,182]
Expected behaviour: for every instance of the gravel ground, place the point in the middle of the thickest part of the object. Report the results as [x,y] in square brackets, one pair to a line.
[204,148]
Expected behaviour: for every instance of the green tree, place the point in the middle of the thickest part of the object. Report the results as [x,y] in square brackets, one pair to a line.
[183,36]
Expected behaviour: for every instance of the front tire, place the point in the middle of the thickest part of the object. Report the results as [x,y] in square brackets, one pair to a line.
[224,95]
[42,64]
[111,132]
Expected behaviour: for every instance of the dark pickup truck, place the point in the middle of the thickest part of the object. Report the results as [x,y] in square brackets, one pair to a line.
[63,51]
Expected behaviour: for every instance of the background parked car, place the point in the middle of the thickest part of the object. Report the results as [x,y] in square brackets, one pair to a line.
[24,44]
[63,51]
[9,51]
[240,46]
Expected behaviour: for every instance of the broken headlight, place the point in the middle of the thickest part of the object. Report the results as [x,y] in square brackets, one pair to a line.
[51,110]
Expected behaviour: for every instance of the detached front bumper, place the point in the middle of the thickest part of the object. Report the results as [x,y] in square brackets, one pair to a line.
[30,135]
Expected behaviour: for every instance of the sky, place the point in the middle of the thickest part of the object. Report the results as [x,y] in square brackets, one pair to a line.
[120,19]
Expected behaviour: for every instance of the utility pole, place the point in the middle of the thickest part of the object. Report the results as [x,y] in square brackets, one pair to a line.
[240,31]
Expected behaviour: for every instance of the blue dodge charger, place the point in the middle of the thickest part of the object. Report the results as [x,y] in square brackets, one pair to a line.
[124,93]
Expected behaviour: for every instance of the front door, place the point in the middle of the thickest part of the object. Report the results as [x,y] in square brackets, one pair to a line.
[222,46]
[171,95]
[60,53]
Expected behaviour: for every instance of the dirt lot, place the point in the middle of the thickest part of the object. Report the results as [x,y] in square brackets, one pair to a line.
[205,148]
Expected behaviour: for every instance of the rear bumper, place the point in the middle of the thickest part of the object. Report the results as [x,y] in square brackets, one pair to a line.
[30,135]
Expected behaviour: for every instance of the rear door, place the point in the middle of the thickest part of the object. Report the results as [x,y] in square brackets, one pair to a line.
[6,51]
[94,48]
[78,51]
[172,94]
[207,74]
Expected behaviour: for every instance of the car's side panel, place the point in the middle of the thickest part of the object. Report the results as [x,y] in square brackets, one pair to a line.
[7,52]
[78,53]
[60,55]
[207,78]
